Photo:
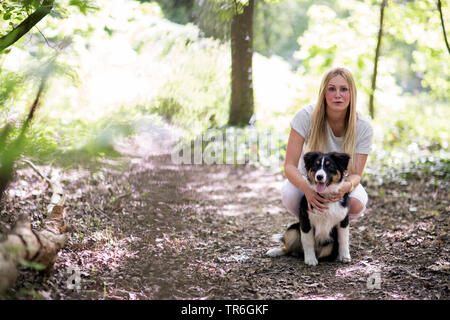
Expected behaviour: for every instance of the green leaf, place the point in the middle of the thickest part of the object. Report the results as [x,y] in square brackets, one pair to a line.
[32,265]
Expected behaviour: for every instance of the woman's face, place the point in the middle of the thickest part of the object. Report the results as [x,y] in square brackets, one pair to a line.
[337,94]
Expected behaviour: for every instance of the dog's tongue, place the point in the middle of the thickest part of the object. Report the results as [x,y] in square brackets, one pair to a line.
[321,187]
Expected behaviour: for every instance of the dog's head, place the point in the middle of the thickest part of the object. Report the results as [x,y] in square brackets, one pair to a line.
[325,169]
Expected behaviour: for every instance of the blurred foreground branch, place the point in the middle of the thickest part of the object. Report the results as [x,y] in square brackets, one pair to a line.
[24,245]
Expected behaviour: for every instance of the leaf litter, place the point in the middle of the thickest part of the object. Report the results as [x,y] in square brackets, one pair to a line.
[160,231]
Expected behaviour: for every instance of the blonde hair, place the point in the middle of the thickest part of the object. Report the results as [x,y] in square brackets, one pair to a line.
[318,131]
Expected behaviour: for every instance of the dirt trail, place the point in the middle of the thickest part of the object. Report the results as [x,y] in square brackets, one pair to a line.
[144,228]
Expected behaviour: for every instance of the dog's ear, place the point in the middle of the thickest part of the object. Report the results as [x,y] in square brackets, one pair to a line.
[341,160]
[310,158]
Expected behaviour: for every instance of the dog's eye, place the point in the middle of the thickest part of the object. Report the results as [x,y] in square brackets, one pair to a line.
[327,163]
[317,162]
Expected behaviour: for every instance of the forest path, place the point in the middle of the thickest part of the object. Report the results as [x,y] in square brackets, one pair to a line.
[145,228]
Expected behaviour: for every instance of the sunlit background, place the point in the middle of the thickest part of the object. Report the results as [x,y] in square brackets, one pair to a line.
[151,66]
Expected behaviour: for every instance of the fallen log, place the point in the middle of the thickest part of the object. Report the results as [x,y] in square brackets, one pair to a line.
[24,243]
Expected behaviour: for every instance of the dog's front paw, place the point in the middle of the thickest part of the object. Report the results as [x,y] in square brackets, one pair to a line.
[311,260]
[345,259]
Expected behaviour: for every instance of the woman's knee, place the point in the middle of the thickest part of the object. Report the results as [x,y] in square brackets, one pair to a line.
[290,197]
[356,206]
[358,202]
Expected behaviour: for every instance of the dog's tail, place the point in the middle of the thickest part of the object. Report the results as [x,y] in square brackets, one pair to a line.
[276,252]
[279,237]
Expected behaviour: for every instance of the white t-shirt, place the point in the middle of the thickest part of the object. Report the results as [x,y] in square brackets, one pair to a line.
[364,134]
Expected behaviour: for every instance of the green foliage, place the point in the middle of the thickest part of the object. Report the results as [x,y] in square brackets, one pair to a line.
[194,95]
[344,34]
[18,20]
[27,294]
[418,123]
[277,26]
[413,54]
[398,167]
[179,11]
[13,12]
[213,17]
[9,88]
[16,135]
[50,139]
[32,265]
[167,107]
[417,25]
[85,6]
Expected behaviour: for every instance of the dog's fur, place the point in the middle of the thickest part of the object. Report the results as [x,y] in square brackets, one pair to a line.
[320,236]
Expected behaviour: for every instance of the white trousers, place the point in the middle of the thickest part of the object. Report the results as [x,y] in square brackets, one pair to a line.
[291,196]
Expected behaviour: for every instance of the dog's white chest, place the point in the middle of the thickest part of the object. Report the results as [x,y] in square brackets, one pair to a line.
[323,222]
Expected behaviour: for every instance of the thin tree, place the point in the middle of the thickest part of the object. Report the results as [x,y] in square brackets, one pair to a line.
[439,5]
[242,104]
[377,56]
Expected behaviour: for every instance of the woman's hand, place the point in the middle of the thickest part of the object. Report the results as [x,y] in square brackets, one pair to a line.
[354,177]
[293,151]
[315,200]
[345,188]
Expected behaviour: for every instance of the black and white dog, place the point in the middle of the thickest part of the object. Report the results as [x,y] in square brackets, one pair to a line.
[320,236]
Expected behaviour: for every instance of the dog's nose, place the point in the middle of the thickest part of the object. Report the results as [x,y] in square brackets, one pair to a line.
[319,177]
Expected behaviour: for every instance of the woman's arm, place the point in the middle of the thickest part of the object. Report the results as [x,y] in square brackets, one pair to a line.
[293,152]
[355,176]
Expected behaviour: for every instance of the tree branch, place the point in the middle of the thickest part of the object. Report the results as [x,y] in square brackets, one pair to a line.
[24,243]
[19,31]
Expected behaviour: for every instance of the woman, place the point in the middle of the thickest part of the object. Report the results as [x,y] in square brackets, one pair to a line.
[332,125]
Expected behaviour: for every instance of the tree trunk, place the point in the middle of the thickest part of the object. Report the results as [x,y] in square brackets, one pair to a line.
[377,55]
[241,108]
[19,31]
[26,244]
